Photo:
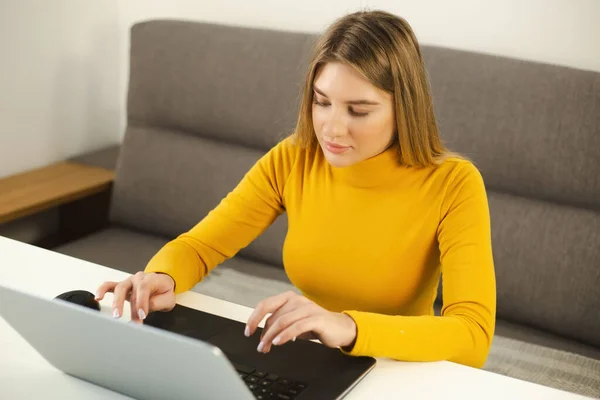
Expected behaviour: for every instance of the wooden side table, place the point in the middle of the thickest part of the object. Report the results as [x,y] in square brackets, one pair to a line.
[80,192]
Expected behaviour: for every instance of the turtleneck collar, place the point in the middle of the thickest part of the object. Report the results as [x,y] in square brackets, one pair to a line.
[371,172]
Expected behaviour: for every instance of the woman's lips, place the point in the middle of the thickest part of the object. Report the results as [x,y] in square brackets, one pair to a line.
[335,148]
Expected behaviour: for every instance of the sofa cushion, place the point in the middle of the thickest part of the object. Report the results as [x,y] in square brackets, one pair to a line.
[116,248]
[244,282]
[544,358]
[228,83]
[538,337]
[533,129]
[530,335]
[545,366]
[237,280]
[547,261]
[167,181]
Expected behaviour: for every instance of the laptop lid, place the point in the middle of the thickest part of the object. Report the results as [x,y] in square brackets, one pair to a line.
[136,360]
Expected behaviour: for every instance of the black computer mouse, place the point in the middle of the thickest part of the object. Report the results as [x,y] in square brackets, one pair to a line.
[81,297]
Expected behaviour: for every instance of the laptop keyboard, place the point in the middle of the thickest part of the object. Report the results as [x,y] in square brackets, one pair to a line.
[268,386]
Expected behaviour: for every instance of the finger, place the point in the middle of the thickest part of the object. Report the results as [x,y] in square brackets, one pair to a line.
[268,324]
[286,308]
[301,327]
[306,336]
[292,304]
[120,293]
[108,286]
[162,302]
[142,295]
[265,307]
[284,322]
[133,306]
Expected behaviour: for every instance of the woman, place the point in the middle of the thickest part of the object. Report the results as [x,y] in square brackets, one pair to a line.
[377,210]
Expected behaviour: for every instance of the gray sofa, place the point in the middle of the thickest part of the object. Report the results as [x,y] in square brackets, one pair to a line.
[206,101]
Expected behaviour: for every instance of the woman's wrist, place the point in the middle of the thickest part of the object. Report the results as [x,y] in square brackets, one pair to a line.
[165,274]
[352,330]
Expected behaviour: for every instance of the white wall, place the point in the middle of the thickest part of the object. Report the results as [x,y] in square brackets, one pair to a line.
[64,62]
[60,72]
[564,32]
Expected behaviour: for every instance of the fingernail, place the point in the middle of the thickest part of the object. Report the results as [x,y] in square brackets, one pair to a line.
[276,340]
[97,296]
[294,339]
[247,332]
[115,313]
[141,314]
[260,347]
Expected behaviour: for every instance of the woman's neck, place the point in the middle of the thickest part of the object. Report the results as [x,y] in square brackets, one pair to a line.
[371,172]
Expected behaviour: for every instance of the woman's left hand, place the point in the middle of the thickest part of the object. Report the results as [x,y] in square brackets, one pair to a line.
[294,316]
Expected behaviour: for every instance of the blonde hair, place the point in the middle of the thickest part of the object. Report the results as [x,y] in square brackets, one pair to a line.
[383,48]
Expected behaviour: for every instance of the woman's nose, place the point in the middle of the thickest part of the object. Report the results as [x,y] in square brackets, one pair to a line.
[334,127]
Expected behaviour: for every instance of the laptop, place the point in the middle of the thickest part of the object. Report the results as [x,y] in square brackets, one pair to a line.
[181,354]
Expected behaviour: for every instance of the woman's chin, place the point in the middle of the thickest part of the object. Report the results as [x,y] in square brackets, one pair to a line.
[339,160]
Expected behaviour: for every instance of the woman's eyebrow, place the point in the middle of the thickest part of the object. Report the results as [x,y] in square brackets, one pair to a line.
[353,102]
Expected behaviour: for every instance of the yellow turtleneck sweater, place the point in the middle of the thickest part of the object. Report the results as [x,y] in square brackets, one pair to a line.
[370,240]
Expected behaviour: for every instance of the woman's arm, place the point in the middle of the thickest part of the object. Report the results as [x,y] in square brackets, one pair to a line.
[238,219]
[464,331]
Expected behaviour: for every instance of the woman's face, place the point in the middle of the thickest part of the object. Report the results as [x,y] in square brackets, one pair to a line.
[353,119]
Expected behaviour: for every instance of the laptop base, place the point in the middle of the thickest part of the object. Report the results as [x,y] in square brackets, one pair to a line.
[327,373]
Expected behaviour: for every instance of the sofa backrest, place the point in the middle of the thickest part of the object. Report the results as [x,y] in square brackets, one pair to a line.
[206,101]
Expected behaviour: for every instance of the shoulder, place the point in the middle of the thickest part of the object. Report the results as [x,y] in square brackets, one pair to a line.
[457,170]
[461,179]
[283,152]
[285,157]
[287,147]
[293,153]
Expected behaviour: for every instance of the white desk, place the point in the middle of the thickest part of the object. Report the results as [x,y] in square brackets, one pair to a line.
[24,374]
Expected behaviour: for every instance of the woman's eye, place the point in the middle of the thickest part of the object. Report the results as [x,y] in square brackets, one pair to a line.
[351,111]
[358,114]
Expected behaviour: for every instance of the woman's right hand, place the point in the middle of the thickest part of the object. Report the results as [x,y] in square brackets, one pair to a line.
[146,292]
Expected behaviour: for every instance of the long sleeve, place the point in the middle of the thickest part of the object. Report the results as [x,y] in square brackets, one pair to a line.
[235,222]
[464,331]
